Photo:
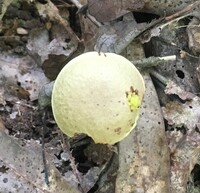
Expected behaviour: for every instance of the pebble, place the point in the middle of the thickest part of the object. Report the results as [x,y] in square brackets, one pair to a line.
[22,31]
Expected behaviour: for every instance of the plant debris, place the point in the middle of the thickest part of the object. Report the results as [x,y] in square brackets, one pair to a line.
[39,37]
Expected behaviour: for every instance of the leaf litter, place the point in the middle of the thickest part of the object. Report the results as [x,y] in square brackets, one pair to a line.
[45,40]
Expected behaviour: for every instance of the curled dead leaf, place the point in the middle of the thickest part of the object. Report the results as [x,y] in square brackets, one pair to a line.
[173,88]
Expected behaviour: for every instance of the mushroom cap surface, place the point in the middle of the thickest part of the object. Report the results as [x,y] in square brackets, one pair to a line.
[98,95]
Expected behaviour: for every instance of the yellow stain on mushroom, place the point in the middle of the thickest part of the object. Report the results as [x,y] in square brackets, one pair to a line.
[134,101]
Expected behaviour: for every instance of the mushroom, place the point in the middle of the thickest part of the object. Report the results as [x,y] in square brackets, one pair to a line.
[98,94]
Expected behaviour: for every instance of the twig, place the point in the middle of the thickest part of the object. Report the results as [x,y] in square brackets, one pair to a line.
[91,18]
[180,14]
[43,148]
[26,105]
[159,77]
[184,12]
[153,61]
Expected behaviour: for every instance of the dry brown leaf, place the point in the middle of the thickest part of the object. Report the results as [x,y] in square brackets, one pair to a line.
[32,82]
[183,158]
[117,36]
[183,115]
[169,7]
[194,36]
[19,78]
[50,10]
[107,10]
[144,155]
[173,88]
[90,178]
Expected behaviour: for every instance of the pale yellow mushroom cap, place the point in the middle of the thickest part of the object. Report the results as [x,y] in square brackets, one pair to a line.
[98,95]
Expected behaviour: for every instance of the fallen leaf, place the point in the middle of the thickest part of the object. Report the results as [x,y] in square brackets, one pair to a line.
[28,164]
[32,82]
[164,8]
[173,88]
[183,115]
[194,36]
[90,178]
[11,182]
[117,36]
[51,11]
[107,10]
[144,155]
[12,69]
[183,158]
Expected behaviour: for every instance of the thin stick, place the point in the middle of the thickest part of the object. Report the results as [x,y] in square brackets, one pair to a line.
[153,61]
[186,11]
[168,58]
[90,17]
[159,77]
[44,117]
